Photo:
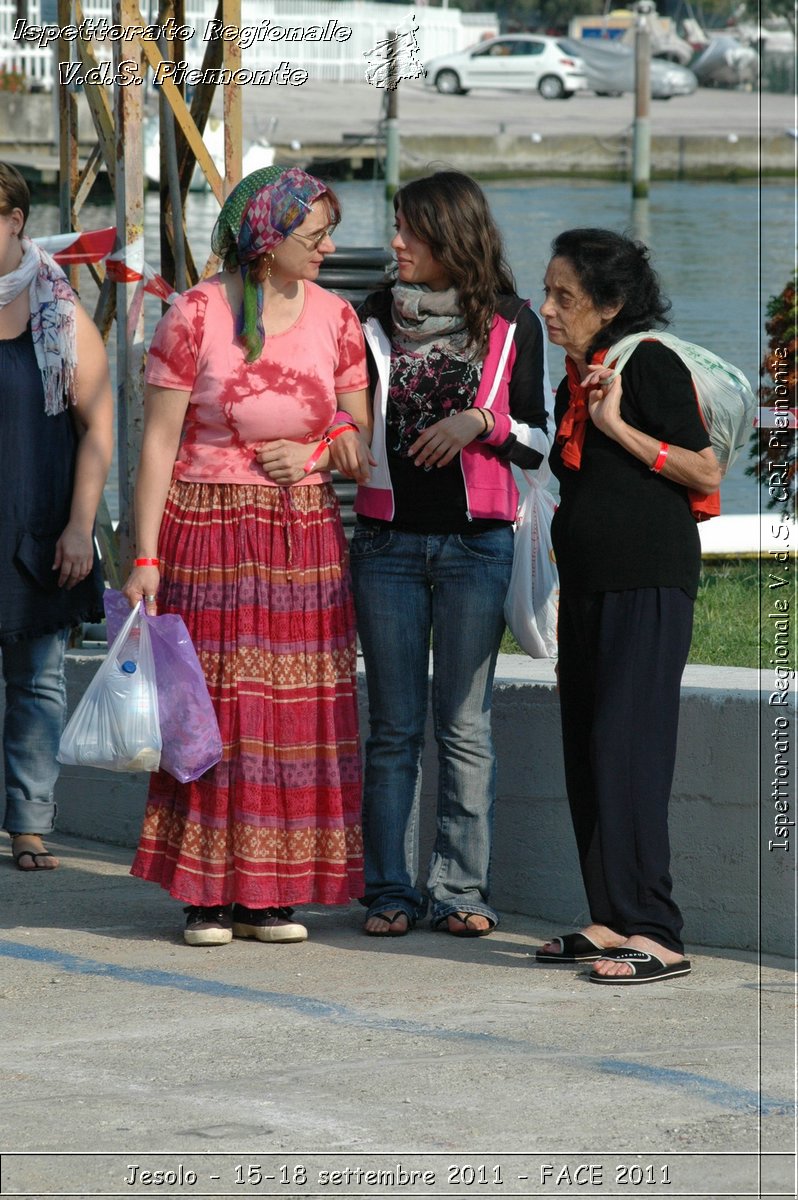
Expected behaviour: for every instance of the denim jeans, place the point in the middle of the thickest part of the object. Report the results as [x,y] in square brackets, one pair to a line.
[33,670]
[409,586]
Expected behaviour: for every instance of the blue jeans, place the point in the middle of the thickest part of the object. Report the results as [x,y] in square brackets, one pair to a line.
[409,586]
[33,670]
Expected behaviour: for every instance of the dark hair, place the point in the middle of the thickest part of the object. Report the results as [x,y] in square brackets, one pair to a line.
[448,211]
[614,269]
[14,192]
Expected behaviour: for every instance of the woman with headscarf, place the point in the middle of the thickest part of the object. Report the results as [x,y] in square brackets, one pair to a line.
[56,441]
[251,375]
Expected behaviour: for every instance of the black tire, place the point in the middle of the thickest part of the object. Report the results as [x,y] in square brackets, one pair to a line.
[448,83]
[551,87]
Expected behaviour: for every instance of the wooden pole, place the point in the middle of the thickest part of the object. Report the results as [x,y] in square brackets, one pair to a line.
[233,117]
[128,106]
[392,121]
[641,139]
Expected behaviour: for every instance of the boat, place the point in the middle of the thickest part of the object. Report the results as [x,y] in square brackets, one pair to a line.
[257,154]
[726,62]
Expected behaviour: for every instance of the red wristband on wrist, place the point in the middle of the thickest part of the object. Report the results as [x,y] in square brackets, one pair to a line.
[659,461]
[326,441]
[146,562]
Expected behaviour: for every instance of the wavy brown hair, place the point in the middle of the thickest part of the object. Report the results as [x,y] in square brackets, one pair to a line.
[448,211]
[14,192]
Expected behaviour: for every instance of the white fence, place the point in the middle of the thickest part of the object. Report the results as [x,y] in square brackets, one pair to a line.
[440,31]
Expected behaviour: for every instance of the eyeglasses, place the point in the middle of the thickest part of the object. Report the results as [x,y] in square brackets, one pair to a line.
[314,240]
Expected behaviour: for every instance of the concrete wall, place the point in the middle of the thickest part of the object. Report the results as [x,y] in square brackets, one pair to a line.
[730,885]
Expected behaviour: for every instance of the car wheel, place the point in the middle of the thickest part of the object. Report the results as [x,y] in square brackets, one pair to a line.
[551,88]
[448,83]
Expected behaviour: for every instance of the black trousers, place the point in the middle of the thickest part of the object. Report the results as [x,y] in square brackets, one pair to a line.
[621,658]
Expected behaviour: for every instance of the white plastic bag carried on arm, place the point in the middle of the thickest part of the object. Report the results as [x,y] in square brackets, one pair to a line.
[723,392]
[115,725]
[530,608]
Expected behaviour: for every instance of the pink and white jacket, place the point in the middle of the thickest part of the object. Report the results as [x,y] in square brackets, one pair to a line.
[514,385]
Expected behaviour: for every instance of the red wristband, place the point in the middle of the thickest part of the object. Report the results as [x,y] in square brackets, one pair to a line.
[659,461]
[326,441]
[146,562]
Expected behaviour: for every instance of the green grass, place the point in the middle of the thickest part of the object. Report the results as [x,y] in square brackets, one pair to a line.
[726,630]
[726,624]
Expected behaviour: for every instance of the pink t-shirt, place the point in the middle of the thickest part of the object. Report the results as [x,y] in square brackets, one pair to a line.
[289,392]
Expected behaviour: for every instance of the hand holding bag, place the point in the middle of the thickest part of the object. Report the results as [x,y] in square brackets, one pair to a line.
[530,608]
[189,728]
[115,726]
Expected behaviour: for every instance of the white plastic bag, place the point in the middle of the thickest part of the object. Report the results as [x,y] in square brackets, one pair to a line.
[115,725]
[723,392]
[530,608]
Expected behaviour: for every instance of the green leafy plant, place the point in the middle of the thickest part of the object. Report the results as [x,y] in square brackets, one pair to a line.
[773,450]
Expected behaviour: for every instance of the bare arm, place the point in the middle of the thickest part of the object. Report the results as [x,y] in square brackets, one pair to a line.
[350,453]
[164,412]
[695,469]
[283,461]
[94,419]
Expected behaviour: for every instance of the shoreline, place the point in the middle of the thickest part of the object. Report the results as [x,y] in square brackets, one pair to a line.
[712,135]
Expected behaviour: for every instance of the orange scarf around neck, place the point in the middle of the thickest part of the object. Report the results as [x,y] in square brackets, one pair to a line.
[573,427]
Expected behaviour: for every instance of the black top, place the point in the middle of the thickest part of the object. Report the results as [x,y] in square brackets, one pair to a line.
[423,390]
[619,525]
[37,461]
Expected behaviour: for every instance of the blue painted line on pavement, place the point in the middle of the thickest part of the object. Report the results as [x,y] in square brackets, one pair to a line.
[304,1005]
[702,1087]
[737,1098]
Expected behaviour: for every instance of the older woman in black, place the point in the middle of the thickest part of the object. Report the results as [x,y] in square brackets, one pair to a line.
[633,460]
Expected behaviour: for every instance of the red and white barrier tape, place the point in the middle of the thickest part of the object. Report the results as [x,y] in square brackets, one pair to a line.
[122,266]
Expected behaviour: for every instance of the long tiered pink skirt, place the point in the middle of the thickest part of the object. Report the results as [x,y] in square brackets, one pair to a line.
[260,576]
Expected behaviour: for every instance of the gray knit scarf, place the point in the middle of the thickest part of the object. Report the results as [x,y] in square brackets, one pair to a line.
[424,320]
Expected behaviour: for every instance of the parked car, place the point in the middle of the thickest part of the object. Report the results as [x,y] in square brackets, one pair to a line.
[610,69]
[518,61]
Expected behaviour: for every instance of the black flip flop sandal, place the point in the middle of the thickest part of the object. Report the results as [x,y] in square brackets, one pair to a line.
[576,948]
[33,856]
[383,916]
[464,917]
[646,968]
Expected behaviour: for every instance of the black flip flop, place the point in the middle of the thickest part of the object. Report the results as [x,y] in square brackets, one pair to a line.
[576,948]
[383,916]
[467,931]
[646,968]
[33,855]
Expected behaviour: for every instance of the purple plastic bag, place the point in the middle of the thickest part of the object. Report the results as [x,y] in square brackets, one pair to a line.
[189,728]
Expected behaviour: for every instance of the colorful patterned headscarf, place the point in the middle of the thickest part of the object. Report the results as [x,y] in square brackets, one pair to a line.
[259,213]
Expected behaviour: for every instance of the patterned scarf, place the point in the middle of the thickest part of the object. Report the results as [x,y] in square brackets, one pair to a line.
[52,318]
[424,320]
[259,213]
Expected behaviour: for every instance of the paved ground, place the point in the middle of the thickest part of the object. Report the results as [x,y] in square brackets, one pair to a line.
[123,1046]
[322,112]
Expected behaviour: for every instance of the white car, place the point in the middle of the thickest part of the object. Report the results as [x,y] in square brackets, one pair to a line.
[520,61]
